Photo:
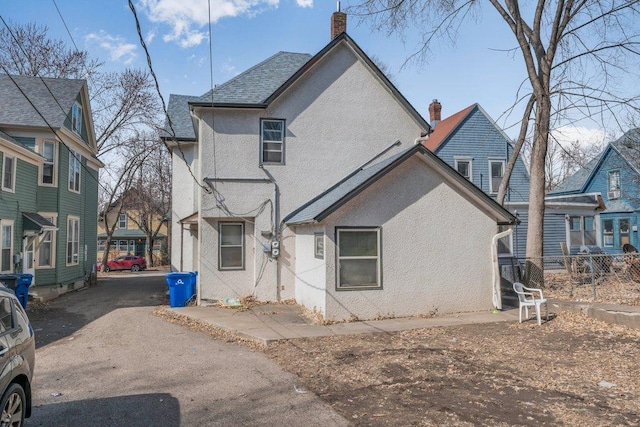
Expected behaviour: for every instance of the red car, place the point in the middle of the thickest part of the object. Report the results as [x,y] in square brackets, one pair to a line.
[128,262]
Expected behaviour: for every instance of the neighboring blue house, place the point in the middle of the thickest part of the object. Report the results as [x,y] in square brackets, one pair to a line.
[614,176]
[472,143]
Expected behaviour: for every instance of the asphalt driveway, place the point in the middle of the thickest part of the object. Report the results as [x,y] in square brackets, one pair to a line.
[103,359]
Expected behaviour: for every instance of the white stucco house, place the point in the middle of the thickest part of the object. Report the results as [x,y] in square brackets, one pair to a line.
[304,177]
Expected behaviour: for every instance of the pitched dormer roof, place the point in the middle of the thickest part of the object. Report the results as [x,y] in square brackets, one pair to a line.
[18,111]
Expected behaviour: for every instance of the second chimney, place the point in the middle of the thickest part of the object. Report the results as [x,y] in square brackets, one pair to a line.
[338,23]
[434,113]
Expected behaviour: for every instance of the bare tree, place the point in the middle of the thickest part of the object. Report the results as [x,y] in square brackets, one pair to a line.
[572,52]
[150,197]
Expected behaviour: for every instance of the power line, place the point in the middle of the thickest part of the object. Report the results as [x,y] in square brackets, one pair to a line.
[164,108]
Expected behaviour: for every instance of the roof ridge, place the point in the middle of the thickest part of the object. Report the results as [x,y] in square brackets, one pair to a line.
[247,71]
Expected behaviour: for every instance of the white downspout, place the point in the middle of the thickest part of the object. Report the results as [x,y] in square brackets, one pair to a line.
[497,294]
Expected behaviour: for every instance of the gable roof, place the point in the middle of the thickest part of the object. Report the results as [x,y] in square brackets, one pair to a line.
[353,184]
[53,98]
[627,146]
[178,111]
[265,82]
[445,127]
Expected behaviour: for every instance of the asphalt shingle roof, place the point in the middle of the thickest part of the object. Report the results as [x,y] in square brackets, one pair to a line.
[53,98]
[8,138]
[256,84]
[178,110]
[576,181]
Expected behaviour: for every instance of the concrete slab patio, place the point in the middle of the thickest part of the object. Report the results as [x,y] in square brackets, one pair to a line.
[273,322]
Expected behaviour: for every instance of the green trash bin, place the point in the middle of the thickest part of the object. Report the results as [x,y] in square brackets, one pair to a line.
[9,280]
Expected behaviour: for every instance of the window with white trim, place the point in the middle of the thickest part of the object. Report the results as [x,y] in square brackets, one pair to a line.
[73,240]
[623,231]
[272,141]
[607,232]
[74,171]
[76,118]
[6,246]
[49,163]
[582,231]
[614,185]
[505,244]
[9,173]
[359,258]
[463,166]
[496,171]
[231,245]
[122,221]
[46,247]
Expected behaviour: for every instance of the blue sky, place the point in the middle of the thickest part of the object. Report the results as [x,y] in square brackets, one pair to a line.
[477,68]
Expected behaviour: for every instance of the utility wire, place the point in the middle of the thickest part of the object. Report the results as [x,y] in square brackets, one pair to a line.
[164,108]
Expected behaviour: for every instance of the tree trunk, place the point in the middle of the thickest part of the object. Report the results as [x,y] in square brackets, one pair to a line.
[105,254]
[149,254]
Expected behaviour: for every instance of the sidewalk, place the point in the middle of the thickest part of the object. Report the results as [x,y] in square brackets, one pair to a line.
[273,322]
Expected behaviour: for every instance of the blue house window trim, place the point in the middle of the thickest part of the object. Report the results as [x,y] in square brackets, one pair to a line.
[613,184]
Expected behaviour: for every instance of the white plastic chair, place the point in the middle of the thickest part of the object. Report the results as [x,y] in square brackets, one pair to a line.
[527,298]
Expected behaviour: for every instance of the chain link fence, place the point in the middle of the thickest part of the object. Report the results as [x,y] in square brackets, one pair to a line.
[604,278]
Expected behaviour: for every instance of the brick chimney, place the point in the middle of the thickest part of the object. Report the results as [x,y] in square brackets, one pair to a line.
[434,113]
[338,23]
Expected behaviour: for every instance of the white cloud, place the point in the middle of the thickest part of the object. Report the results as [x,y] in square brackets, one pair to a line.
[187,18]
[305,3]
[150,36]
[586,137]
[116,46]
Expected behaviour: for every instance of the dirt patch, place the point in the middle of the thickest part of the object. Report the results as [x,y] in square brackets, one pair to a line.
[572,370]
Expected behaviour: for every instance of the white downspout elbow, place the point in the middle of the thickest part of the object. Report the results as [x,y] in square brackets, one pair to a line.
[497,294]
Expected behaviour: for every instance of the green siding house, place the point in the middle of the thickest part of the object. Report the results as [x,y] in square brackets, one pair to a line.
[49,191]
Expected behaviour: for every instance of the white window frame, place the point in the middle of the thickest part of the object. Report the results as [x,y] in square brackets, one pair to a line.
[614,191]
[53,164]
[318,245]
[7,223]
[221,225]
[620,233]
[76,118]
[125,221]
[508,243]
[491,161]
[53,217]
[14,164]
[468,160]
[73,238]
[378,257]
[75,165]
[263,141]
[606,234]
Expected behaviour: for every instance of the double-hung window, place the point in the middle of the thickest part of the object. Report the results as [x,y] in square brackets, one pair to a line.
[48,166]
[76,118]
[359,258]
[122,221]
[74,171]
[9,173]
[582,231]
[496,170]
[6,246]
[463,166]
[231,246]
[623,229]
[73,240]
[614,185]
[272,141]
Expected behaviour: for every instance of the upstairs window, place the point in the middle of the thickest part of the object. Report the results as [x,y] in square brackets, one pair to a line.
[614,185]
[74,171]
[76,118]
[272,141]
[122,221]
[9,173]
[496,169]
[48,166]
[463,166]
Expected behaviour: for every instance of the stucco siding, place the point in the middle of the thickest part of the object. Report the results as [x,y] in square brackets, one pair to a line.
[183,204]
[310,284]
[429,230]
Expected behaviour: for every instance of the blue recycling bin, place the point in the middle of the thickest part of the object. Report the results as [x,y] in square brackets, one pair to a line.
[22,288]
[182,287]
